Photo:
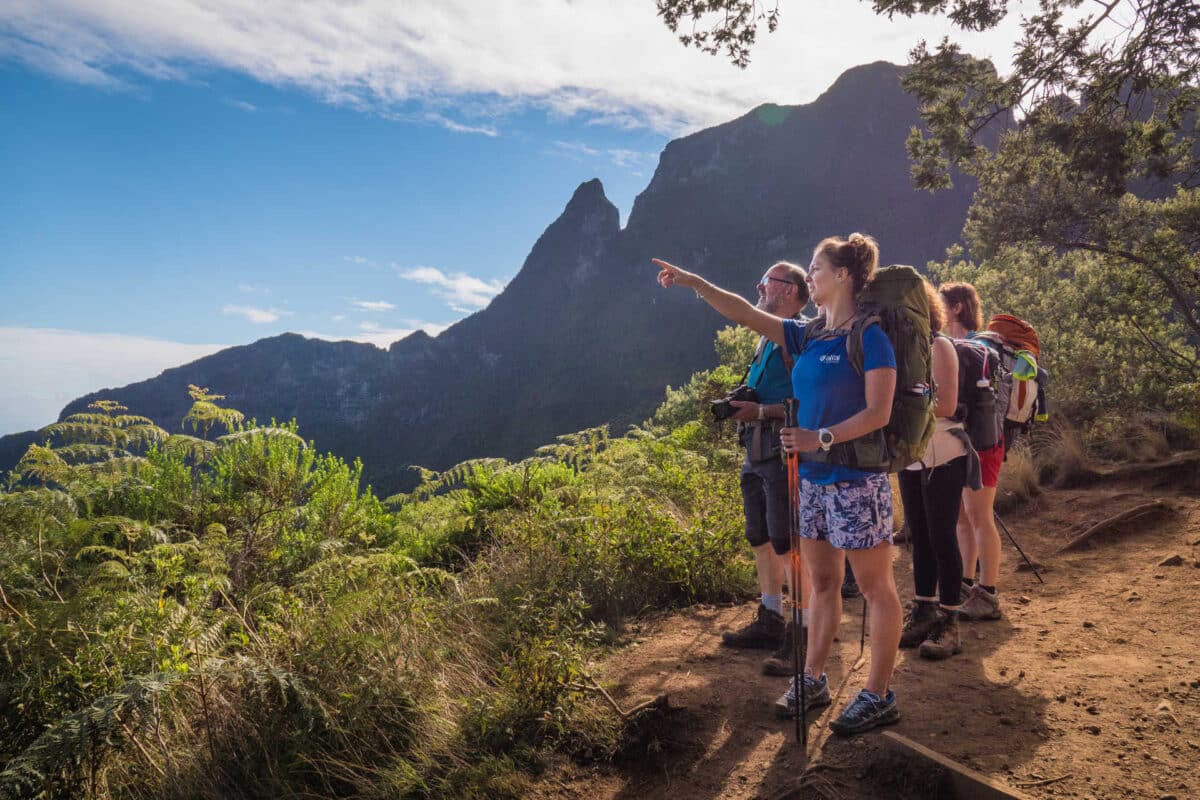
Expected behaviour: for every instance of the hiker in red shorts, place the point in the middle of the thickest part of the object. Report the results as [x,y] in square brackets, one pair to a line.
[978,538]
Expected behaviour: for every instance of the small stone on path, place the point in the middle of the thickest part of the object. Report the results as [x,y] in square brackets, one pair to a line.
[1175,560]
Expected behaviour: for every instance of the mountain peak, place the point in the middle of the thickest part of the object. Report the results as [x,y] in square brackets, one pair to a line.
[587,197]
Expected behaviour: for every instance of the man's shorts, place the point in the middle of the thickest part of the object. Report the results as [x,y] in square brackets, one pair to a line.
[765,503]
[851,515]
[989,463]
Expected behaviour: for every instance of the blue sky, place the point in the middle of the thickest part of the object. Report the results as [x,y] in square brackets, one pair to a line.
[188,175]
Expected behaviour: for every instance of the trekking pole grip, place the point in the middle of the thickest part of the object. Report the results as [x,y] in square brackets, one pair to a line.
[789,412]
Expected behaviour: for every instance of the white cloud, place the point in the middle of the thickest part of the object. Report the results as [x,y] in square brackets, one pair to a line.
[464,293]
[464,64]
[43,369]
[258,316]
[374,305]
[355,259]
[578,148]
[242,104]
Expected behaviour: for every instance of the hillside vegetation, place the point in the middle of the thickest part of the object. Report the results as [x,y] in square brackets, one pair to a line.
[231,614]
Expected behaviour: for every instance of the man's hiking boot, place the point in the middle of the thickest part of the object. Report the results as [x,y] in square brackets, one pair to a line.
[763,633]
[816,694]
[980,605]
[943,640]
[780,663]
[919,619]
[850,588]
[865,712]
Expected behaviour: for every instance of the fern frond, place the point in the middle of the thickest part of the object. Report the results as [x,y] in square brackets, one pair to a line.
[143,435]
[100,551]
[68,744]
[188,447]
[123,465]
[204,414]
[70,430]
[43,463]
[108,407]
[85,451]
[131,420]
[282,433]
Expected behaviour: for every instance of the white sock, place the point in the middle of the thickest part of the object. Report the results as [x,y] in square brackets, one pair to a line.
[773,602]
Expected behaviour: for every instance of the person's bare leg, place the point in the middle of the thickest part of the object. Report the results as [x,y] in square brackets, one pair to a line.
[825,565]
[979,505]
[878,583]
[771,569]
[966,539]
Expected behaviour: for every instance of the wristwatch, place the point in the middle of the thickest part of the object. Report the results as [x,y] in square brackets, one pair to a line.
[825,438]
[762,412]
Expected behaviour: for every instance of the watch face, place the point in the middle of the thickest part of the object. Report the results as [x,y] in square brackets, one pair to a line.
[825,437]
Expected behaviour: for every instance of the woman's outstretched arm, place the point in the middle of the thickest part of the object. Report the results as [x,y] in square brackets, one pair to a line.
[729,305]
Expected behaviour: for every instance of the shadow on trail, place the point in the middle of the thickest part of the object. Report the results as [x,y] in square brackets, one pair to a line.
[969,708]
[702,742]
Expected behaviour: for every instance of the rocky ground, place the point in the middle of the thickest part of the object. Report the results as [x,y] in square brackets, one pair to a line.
[1089,686]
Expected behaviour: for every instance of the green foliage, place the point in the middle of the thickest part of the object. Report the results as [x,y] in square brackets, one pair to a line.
[716,25]
[1108,339]
[236,616]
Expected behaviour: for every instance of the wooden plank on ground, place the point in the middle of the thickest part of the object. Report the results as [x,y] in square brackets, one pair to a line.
[958,782]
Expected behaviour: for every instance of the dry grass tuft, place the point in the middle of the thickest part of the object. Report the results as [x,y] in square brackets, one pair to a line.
[1019,482]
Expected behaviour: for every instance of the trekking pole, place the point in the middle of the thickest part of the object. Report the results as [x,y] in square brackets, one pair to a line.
[1013,539]
[862,634]
[793,461]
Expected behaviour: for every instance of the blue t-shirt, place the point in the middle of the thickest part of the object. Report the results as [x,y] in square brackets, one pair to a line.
[769,376]
[829,390]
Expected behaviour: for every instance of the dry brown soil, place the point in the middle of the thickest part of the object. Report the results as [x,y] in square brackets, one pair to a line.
[1088,687]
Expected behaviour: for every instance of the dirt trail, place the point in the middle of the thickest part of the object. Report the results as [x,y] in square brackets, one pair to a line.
[1093,676]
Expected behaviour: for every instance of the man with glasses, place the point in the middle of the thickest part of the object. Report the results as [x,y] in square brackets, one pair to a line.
[781,292]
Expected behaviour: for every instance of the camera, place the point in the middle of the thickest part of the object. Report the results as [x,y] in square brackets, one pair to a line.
[723,409]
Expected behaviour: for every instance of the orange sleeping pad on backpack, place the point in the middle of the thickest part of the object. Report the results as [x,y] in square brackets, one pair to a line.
[1019,333]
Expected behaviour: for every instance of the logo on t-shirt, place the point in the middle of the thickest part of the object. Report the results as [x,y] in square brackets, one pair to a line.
[831,358]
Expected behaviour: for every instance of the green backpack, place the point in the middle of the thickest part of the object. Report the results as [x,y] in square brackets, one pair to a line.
[896,300]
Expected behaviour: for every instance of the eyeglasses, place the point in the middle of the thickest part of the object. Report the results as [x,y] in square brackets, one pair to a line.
[763,282]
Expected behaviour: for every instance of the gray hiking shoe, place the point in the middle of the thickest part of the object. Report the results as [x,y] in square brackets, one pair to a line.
[919,619]
[816,694]
[763,632]
[980,605]
[865,712]
[943,640]
[780,663]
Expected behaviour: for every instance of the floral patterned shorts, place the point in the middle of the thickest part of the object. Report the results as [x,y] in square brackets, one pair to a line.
[851,515]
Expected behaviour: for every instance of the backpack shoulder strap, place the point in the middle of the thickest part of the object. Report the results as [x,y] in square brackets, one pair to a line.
[811,330]
[854,341]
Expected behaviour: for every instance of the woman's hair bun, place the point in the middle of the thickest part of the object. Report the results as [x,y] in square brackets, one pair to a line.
[865,249]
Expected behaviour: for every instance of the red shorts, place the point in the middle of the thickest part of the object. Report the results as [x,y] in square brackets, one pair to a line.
[989,463]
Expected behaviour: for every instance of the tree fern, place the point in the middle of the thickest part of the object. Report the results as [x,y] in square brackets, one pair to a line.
[57,758]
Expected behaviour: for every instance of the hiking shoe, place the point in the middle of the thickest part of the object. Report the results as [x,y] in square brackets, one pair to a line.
[980,605]
[850,588]
[943,640]
[816,694]
[865,712]
[764,632]
[919,619]
[780,663]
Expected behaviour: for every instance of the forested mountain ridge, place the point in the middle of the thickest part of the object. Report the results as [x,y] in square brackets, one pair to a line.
[582,335]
